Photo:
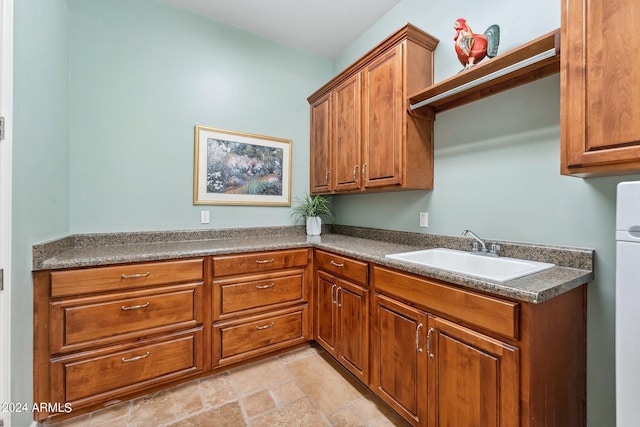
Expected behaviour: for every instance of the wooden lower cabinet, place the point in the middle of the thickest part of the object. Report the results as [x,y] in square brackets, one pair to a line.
[342,314]
[438,354]
[436,373]
[246,337]
[342,311]
[473,380]
[398,362]
[260,304]
[109,373]
[107,333]
[325,313]
[455,368]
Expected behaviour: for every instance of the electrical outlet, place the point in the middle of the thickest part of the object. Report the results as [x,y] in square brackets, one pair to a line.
[204,217]
[424,219]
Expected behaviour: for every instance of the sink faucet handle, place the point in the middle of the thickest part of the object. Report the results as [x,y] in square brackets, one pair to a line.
[494,248]
[475,247]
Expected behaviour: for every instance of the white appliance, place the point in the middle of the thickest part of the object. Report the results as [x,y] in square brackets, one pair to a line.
[628,304]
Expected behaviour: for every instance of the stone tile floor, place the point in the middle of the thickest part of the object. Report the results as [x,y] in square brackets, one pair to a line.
[304,387]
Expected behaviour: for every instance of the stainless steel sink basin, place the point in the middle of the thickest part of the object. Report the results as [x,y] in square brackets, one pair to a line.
[499,269]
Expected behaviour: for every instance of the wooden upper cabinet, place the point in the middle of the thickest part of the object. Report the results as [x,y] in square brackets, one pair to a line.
[346,134]
[600,86]
[383,116]
[320,145]
[375,143]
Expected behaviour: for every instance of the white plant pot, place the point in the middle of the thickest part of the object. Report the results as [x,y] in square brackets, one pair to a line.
[314,225]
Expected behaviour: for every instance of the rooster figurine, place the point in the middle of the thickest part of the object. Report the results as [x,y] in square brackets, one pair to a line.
[472,48]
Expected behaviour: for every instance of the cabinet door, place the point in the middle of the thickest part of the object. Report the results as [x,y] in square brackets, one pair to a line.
[325,335]
[346,134]
[600,87]
[384,107]
[473,379]
[353,328]
[321,146]
[398,362]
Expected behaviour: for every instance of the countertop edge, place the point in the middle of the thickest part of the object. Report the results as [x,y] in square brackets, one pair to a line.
[535,288]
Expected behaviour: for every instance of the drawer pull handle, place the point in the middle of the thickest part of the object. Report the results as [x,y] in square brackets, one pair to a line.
[337,264]
[418,349]
[135,276]
[431,356]
[133,359]
[264,261]
[135,307]
[267,326]
[267,286]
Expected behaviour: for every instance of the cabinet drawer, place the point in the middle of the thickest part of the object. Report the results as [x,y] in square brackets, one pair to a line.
[226,265]
[247,337]
[256,292]
[119,370]
[120,277]
[79,322]
[492,314]
[356,271]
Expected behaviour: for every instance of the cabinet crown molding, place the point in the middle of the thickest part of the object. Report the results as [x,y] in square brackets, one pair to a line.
[408,32]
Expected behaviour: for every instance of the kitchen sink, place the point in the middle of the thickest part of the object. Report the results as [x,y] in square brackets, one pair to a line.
[499,269]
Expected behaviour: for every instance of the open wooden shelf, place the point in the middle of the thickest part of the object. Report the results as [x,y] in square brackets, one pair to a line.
[529,62]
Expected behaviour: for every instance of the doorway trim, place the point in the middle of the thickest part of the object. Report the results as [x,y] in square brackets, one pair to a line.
[6,111]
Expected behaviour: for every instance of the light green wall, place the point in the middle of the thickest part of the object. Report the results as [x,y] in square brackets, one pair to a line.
[497,170]
[106,97]
[40,165]
[135,77]
[142,75]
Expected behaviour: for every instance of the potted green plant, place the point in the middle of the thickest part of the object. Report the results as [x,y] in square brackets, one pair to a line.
[311,209]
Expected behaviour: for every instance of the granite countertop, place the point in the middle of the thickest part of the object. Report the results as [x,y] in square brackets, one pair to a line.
[574,266]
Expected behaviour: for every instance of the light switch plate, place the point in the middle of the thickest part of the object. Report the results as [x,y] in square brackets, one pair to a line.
[204,217]
[424,219]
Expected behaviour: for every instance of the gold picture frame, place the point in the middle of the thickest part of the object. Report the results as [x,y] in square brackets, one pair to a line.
[238,168]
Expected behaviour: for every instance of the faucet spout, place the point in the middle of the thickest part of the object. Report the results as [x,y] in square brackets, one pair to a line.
[484,247]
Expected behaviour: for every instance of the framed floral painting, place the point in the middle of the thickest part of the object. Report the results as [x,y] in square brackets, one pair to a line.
[237,168]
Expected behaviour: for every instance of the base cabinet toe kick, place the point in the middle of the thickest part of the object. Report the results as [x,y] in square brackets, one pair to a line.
[435,352]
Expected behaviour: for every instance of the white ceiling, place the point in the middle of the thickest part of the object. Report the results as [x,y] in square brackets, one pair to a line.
[323,27]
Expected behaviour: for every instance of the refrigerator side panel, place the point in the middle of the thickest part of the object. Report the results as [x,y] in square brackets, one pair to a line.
[628,206]
[627,333]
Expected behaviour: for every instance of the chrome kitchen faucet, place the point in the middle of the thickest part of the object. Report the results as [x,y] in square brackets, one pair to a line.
[476,245]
